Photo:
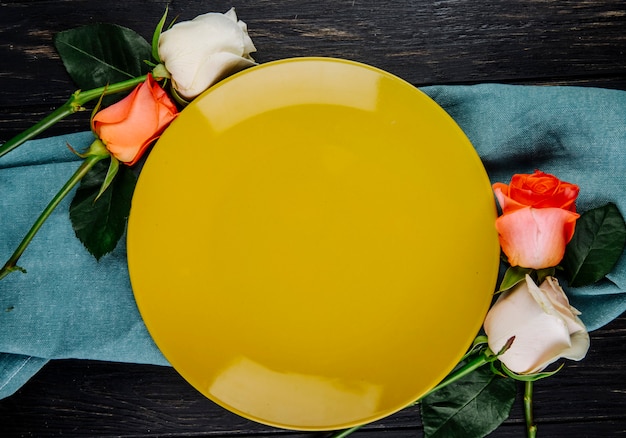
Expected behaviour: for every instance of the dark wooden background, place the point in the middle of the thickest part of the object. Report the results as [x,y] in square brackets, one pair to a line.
[425,42]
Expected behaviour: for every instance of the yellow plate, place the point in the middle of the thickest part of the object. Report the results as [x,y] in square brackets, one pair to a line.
[312,245]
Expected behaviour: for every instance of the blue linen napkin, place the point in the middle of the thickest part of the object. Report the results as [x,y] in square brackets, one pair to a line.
[70,306]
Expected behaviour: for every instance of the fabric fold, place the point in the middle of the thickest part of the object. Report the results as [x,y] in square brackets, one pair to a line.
[16,370]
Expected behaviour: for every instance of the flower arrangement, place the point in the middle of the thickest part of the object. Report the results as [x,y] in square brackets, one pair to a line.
[531,324]
[544,240]
[185,59]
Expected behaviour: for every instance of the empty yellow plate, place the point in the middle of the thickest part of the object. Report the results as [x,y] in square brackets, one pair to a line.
[312,244]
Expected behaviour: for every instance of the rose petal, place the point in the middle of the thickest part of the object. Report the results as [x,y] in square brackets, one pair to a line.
[215,68]
[553,292]
[129,126]
[542,190]
[540,337]
[540,342]
[580,346]
[231,14]
[118,112]
[189,46]
[536,238]
[507,203]
[248,45]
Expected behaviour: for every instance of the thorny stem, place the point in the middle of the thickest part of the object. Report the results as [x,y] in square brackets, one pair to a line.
[531,427]
[472,365]
[88,163]
[345,433]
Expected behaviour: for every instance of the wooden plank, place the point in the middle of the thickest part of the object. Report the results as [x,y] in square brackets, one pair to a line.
[423,42]
[78,398]
[445,42]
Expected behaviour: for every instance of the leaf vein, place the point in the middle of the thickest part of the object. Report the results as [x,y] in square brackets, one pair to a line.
[100,61]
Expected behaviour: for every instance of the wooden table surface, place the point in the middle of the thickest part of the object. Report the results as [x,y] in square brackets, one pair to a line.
[426,42]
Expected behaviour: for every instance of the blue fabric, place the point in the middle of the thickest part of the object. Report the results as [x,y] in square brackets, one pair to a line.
[70,306]
[575,133]
[15,370]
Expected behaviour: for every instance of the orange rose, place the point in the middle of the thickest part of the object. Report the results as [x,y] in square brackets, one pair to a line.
[129,126]
[538,219]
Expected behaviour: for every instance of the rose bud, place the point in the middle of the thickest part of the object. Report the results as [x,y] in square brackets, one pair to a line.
[129,126]
[543,323]
[538,219]
[205,50]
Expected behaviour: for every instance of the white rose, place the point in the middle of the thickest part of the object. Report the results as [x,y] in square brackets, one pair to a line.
[201,52]
[544,324]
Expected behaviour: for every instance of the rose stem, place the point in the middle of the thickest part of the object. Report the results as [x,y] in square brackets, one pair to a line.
[87,164]
[74,104]
[531,428]
[472,365]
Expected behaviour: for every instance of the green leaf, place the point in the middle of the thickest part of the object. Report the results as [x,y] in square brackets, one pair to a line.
[478,344]
[114,167]
[100,225]
[156,35]
[474,406]
[597,244]
[544,273]
[529,377]
[513,276]
[101,54]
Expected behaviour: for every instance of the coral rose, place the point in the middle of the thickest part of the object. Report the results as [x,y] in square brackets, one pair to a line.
[543,323]
[129,126]
[538,219]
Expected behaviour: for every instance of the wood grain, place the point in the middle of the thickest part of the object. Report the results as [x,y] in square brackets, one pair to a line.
[425,42]
[88,398]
